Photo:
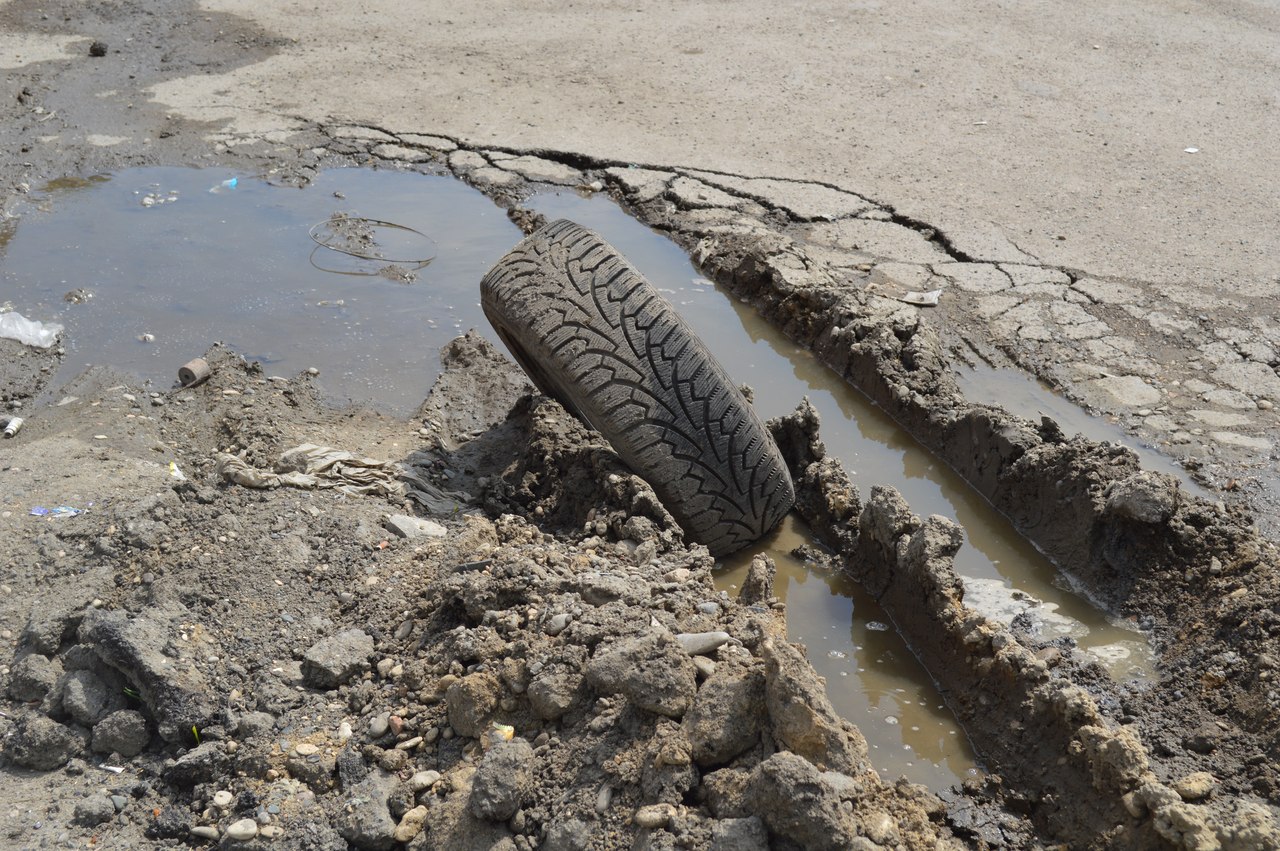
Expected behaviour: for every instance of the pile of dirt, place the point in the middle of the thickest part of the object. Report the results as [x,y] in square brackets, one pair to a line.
[549,666]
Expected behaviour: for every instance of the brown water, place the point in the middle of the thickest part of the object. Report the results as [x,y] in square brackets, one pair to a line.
[237,264]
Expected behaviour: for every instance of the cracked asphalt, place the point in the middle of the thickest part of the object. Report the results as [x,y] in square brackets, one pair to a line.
[1093,188]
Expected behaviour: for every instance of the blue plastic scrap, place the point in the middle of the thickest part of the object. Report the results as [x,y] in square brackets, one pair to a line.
[60,511]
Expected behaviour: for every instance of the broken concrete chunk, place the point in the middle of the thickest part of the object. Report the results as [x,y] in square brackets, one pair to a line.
[178,695]
[124,732]
[365,820]
[414,527]
[802,717]
[651,669]
[87,699]
[502,780]
[758,586]
[541,170]
[332,661]
[727,713]
[42,744]
[739,834]
[472,701]
[51,624]
[554,691]
[787,791]
[32,677]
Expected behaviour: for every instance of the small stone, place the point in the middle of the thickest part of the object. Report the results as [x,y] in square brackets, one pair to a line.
[271,831]
[242,830]
[306,749]
[423,780]
[204,831]
[312,371]
[1265,405]
[411,824]
[1195,786]
[710,607]
[409,744]
[222,799]
[119,802]
[702,643]
[378,726]
[344,731]
[98,49]
[653,817]
[557,624]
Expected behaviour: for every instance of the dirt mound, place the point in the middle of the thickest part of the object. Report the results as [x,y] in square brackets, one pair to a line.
[546,666]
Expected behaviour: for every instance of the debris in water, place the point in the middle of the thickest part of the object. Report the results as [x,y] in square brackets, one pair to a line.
[224,186]
[193,372]
[15,326]
[877,626]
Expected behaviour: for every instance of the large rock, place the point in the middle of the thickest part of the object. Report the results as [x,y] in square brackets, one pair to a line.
[32,677]
[802,717]
[472,701]
[124,732]
[365,820]
[88,699]
[651,669]
[502,780]
[332,661]
[43,744]
[790,795]
[175,691]
[726,715]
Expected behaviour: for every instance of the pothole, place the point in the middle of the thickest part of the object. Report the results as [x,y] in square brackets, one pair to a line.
[167,260]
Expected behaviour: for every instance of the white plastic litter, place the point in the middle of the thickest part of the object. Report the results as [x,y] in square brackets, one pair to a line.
[15,326]
[929,299]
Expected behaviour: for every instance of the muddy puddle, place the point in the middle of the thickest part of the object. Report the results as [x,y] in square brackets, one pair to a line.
[166,261]
[160,262]
[1025,395]
[1004,574]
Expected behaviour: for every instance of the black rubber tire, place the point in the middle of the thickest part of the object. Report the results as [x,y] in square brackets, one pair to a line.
[593,334]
